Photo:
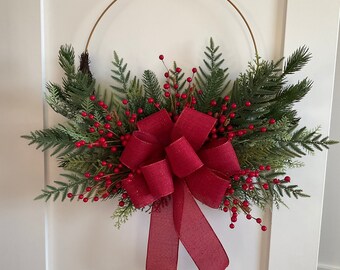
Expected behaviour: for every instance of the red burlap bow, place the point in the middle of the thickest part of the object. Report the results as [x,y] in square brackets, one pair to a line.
[168,158]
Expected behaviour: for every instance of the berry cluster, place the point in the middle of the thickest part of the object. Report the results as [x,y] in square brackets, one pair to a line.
[247,181]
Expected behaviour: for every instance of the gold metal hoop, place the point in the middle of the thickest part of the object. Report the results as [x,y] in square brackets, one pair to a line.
[229,1]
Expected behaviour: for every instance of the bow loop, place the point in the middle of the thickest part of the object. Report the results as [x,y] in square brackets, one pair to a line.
[158,178]
[219,155]
[142,147]
[182,158]
[194,126]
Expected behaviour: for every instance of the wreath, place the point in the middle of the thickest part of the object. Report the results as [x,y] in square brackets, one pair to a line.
[160,145]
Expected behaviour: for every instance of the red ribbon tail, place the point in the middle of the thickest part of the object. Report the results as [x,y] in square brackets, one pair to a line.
[163,240]
[195,232]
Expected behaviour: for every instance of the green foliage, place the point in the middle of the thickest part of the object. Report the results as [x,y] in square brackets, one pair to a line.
[122,214]
[214,80]
[66,99]
[151,86]
[121,76]
[90,144]
[75,184]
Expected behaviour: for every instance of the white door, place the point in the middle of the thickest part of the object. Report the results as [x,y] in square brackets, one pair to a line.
[82,236]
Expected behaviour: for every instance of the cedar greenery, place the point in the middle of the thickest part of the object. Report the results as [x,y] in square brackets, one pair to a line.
[256,137]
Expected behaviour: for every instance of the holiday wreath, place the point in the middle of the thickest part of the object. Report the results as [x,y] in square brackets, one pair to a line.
[158,146]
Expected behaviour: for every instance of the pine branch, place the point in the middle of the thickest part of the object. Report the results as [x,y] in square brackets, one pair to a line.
[122,214]
[296,61]
[151,86]
[76,184]
[120,75]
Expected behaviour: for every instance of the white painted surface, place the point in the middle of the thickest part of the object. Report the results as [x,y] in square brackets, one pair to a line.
[82,236]
[21,167]
[327,267]
[330,232]
[296,232]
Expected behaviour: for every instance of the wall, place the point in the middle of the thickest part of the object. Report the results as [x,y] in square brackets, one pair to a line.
[330,233]
[22,170]
[80,236]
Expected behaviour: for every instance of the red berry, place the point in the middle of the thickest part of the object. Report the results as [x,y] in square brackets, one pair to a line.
[88,189]
[107,126]
[231,226]
[125,101]
[248,216]
[140,111]
[83,114]
[96,124]
[85,200]
[251,127]
[167,94]
[265,186]
[268,168]
[261,168]
[96,199]
[176,86]
[161,57]
[233,106]
[119,123]
[80,196]
[259,220]
[213,103]
[225,209]
[263,228]
[263,129]
[247,104]
[121,203]
[232,115]
[194,70]
[236,178]
[226,203]
[151,100]
[77,144]
[245,187]
[184,96]
[189,80]
[91,116]
[245,203]
[178,70]
[272,121]
[166,86]
[224,107]
[69,195]
[87,175]
[233,219]
[234,209]
[249,180]
[226,98]
[105,195]
[92,97]
[200,92]
[287,178]
[166,74]
[276,181]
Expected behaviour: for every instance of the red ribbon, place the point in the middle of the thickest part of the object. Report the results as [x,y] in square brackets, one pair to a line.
[171,160]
